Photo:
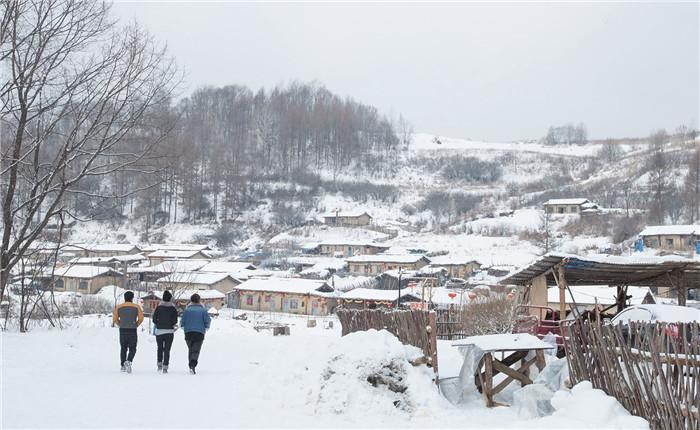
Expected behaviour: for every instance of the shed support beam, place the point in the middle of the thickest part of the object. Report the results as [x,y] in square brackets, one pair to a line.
[561,281]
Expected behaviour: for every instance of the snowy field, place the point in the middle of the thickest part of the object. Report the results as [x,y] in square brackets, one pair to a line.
[314,378]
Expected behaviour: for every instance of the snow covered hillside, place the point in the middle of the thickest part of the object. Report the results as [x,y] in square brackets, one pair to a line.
[310,379]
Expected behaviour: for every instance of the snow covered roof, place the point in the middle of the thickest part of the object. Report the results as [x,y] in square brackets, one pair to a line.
[376,295]
[174,247]
[286,285]
[186,294]
[194,278]
[656,230]
[346,214]
[578,201]
[83,271]
[166,253]
[227,267]
[451,260]
[116,258]
[343,242]
[387,258]
[318,263]
[170,266]
[349,282]
[603,295]
[106,247]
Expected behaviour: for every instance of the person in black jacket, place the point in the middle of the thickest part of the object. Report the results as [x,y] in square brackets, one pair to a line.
[165,320]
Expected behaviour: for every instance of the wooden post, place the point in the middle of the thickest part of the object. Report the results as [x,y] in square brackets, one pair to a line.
[562,292]
[488,380]
[682,289]
[432,334]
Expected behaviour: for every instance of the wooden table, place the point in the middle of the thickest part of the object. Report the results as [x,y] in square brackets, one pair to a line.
[519,346]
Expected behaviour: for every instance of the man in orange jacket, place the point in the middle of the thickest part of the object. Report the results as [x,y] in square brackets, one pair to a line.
[128,316]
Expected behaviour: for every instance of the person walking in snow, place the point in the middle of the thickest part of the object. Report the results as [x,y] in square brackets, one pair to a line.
[165,321]
[195,322]
[127,316]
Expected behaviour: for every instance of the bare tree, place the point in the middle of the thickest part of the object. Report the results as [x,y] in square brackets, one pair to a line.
[658,181]
[79,88]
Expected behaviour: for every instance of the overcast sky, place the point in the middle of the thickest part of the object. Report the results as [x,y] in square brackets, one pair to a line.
[482,71]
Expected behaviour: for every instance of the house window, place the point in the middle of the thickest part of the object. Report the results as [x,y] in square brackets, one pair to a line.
[267,298]
[550,209]
[573,209]
[561,210]
[83,285]
[249,300]
[314,304]
[293,304]
[59,284]
[669,242]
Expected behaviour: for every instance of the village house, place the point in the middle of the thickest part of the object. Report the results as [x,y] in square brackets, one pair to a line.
[160,256]
[101,250]
[457,267]
[426,275]
[197,281]
[181,298]
[348,248]
[570,206]
[379,263]
[347,219]
[81,278]
[369,298]
[153,273]
[670,237]
[290,295]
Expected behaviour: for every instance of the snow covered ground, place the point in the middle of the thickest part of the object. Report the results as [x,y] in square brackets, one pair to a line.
[312,379]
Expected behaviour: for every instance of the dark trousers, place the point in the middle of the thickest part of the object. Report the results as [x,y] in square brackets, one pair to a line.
[194,340]
[127,341]
[164,342]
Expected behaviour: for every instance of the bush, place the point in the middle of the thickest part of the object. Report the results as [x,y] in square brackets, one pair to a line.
[492,314]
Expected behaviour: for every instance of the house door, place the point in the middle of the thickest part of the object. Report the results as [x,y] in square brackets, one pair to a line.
[285,305]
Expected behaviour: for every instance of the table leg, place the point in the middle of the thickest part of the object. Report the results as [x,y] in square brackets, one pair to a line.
[488,379]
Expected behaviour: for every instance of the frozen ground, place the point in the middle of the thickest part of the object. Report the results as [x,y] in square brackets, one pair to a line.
[313,378]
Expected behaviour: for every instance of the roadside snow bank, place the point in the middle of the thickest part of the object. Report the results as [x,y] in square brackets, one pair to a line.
[370,373]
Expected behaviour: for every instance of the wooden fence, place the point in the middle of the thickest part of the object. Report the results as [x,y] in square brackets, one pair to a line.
[449,324]
[412,327]
[652,369]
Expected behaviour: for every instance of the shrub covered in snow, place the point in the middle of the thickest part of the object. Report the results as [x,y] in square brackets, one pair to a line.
[370,372]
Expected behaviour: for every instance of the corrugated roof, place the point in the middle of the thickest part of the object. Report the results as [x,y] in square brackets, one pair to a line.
[606,269]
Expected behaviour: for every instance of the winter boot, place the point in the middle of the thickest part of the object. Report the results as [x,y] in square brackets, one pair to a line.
[165,369]
[127,365]
[160,367]
[123,369]
[192,372]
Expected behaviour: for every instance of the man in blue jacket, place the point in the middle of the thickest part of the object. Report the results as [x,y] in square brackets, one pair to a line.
[195,322]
